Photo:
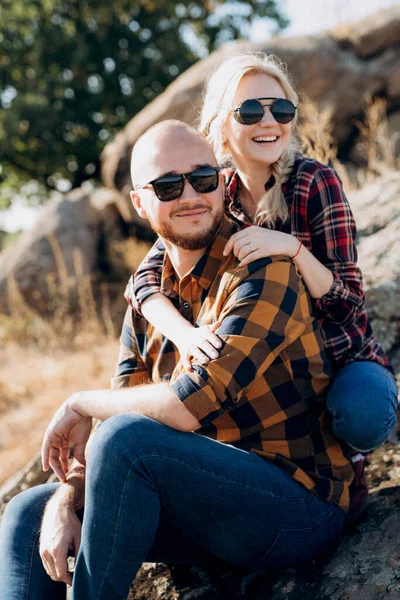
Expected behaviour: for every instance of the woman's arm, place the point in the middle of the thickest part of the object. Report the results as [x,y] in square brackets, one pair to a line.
[143,294]
[254,242]
[198,342]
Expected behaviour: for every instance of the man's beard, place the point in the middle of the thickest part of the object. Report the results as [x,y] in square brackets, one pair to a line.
[197,241]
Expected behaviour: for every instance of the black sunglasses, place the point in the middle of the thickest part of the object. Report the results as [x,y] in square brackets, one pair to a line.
[170,187]
[252,111]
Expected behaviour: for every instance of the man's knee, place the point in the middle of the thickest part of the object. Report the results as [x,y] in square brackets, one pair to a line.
[120,435]
[25,510]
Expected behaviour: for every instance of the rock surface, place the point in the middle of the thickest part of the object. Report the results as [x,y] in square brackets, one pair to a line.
[377,212]
[337,70]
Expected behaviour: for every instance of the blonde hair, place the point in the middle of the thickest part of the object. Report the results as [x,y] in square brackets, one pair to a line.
[218,103]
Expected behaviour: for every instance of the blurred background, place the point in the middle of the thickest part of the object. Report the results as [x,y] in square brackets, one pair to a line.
[73,73]
[80,80]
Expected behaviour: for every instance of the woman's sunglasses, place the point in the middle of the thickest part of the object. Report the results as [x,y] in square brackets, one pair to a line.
[252,111]
[170,187]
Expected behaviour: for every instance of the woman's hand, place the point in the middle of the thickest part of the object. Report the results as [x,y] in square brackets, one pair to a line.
[66,427]
[198,344]
[255,242]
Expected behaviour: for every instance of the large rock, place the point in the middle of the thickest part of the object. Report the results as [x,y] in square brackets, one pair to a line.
[336,69]
[372,35]
[68,247]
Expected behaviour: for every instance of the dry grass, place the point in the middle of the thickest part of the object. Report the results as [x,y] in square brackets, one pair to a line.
[317,140]
[47,357]
[376,145]
[33,384]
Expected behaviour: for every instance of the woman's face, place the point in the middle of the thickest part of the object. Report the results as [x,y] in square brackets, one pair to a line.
[263,143]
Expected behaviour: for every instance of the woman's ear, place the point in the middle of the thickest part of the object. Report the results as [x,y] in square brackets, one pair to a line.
[138,205]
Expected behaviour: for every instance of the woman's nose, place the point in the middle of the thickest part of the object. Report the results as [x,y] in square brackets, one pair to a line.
[268,118]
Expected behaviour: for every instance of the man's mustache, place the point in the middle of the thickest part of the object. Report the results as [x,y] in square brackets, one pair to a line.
[190,208]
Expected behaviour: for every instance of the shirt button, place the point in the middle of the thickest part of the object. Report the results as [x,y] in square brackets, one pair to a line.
[186,305]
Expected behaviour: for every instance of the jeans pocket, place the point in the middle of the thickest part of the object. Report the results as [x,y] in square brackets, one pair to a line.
[295,546]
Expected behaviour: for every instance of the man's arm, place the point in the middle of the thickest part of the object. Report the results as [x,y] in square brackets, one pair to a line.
[155,400]
[261,314]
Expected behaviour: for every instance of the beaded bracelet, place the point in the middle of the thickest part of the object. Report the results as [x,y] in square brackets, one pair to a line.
[298,250]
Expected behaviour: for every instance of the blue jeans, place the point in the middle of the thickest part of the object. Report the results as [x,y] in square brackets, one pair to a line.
[157,494]
[363,404]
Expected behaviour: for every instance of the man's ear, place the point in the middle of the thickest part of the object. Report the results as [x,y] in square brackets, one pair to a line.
[137,203]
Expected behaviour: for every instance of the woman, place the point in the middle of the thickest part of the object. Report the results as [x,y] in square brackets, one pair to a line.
[290,205]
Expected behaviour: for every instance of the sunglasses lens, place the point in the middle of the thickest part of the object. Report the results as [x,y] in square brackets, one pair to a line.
[204,180]
[283,110]
[168,188]
[250,112]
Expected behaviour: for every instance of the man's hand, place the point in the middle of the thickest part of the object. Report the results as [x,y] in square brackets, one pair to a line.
[61,532]
[66,427]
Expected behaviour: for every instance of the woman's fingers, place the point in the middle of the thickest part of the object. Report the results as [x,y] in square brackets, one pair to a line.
[198,356]
[246,250]
[233,240]
[250,257]
[208,349]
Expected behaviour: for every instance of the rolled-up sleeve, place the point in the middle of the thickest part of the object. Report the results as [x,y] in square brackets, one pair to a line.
[261,315]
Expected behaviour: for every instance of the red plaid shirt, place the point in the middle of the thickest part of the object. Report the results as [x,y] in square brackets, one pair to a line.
[319,216]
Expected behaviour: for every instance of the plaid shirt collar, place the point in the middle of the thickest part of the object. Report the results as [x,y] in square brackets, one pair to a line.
[205,270]
[232,195]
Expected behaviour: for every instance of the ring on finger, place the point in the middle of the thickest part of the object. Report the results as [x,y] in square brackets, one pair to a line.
[250,247]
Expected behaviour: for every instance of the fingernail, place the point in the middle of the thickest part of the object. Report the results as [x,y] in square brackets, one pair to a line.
[214,354]
[218,344]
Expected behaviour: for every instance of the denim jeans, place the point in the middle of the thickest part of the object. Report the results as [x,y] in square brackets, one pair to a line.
[157,494]
[363,404]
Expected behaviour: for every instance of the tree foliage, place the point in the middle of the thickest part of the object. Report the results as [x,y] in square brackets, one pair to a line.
[73,72]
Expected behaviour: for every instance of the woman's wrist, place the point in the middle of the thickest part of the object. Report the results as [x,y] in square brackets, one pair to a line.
[299,247]
[292,245]
[183,330]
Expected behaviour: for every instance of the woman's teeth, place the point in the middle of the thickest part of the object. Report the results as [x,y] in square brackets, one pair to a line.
[264,138]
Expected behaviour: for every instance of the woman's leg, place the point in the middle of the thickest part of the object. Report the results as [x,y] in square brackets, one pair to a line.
[22,576]
[228,501]
[363,403]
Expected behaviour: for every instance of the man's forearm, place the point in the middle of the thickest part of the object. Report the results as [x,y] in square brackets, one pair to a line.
[71,494]
[156,401]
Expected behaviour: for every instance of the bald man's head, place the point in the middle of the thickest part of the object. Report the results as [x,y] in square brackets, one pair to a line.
[163,139]
[191,218]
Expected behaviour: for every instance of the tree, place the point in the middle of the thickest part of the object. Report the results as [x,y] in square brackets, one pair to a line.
[73,72]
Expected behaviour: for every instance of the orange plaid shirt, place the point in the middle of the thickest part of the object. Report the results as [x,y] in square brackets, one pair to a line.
[266,390]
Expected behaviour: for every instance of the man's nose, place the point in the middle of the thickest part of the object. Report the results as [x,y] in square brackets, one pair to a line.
[189,193]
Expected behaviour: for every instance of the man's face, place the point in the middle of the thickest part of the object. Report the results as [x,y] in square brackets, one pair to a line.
[191,221]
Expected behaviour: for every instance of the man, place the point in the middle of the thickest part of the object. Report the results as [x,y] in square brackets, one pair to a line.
[234,459]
